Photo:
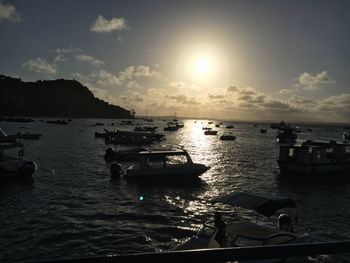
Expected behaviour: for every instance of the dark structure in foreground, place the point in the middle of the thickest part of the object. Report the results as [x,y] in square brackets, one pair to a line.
[54,98]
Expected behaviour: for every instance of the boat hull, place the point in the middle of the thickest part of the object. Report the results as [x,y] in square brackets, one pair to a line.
[313,168]
[171,172]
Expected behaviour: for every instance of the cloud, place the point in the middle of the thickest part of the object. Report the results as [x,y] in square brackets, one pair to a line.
[336,103]
[286,91]
[90,59]
[60,58]
[102,25]
[232,89]
[181,98]
[8,12]
[70,49]
[105,78]
[215,96]
[40,65]
[308,81]
[138,72]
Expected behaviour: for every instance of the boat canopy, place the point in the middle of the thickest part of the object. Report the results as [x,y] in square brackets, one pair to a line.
[265,205]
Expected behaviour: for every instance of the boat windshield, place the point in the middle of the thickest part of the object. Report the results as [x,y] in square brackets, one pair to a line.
[244,241]
[175,160]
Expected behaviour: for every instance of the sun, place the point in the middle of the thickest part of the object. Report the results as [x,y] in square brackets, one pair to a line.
[202,66]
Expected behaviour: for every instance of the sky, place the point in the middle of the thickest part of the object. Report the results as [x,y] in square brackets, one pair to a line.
[241,60]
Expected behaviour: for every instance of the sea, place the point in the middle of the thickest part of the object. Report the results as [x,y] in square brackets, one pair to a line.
[74,209]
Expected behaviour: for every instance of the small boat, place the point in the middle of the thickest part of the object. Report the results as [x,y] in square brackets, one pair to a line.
[217,125]
[239,233]
[62,122]
[145,128]
[309,129]
[314,158]
[227,136]
[230,127]
[163,164]
[122,155]
[287,135]
[15,167]
[263,130]
[210,132]
[29,136]
[206,128]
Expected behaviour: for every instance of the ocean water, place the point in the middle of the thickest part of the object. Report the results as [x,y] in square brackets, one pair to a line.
[74,209]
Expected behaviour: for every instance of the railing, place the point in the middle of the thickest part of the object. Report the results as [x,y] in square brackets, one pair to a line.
[224,254]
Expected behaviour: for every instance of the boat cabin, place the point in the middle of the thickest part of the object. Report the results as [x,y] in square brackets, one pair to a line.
[162,159]
[315,152]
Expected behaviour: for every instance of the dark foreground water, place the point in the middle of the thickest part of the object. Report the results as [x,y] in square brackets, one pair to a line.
[74,209]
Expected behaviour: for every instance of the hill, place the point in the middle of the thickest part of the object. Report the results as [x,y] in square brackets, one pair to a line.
[54,98]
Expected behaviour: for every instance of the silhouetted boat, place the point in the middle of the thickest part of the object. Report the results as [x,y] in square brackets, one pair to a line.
[263,130]
[230,127]
[227,136]
[210,132]
[286,134]
[122,155]
[314,158]
[161,164]
[29,136]
[145,128]
[15,167]
[62,122]
[245,233]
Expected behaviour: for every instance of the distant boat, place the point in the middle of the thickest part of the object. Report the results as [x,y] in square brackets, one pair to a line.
[263,130]
[314,158]
[210,132]
[122,155]
[29,136]
[62,122]
[286,134]
[227,136]
[162,165]
[230,127]
[145,128]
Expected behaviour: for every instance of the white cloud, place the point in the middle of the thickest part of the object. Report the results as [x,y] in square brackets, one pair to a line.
[105,78]
[8,12]
[286,91]
[70,49]
[102,25]
[40,65]
[138,72]
[308,81]
[60,58]
[90,59]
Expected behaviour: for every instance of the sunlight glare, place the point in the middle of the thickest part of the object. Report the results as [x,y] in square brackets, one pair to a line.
[202,66]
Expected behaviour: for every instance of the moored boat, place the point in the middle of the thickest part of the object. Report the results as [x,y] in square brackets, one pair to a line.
[161,164]
[12,168]
[242,233]
[227,136]
[314,158]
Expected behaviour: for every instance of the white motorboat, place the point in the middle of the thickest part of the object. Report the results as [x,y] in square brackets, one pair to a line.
[245,233]
[15,167]
[314,158]
[161,164]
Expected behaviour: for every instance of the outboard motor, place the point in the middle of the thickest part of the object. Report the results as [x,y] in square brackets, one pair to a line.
[110,153]
[116,170]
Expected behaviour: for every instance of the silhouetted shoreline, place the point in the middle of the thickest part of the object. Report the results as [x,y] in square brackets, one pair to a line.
[54,98]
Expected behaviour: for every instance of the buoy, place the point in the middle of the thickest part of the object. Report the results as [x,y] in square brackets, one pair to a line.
[116,170]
